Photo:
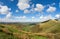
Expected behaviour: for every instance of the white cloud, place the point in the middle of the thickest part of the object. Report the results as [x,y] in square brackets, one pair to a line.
[15,19]
[26,11]
[4,9]
[39,7]
[7,20]
[24,1]
[23,4]
[45,18]
[41,17]
[20,17]
[17,10]
[9,8]
[23,17]
[57,16]
[32,10]
[51,9]
[8,15]
[33,17]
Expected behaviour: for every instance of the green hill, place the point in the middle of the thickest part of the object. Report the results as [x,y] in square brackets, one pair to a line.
[46,30]
[10,31]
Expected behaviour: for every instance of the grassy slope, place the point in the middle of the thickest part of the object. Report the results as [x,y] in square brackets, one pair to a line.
[15,32]
[51,26]
[11,32]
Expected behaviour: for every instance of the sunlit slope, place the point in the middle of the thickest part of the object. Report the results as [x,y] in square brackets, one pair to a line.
[50,26]
[48,29]
[12,32]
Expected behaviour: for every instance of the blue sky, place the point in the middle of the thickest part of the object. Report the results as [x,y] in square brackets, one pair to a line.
[29,10]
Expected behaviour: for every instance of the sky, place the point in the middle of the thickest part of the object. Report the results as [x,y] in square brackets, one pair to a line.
[29,10]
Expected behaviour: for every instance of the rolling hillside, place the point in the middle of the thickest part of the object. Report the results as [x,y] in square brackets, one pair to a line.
[46,30]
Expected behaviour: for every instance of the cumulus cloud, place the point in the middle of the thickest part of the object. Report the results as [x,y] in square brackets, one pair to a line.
[8,15]
[33,17]
[23,4]
[39,7]
[27,8]
[45,18]
[20,17]
[23,17]
[7,20]
[17,10]
[15,19]
[4,9]
[31,10]
[57,16]
[9,9]
[24,1]
[26,11]
[51,9]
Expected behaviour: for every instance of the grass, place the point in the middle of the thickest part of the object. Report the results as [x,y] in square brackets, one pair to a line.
[39,37]
[12,29]
[5,36]
[46,27]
